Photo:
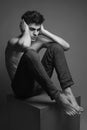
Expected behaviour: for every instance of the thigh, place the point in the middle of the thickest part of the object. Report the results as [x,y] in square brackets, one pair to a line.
[23,82]
[47,61]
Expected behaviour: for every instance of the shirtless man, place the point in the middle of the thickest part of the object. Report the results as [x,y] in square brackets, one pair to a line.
[30,76]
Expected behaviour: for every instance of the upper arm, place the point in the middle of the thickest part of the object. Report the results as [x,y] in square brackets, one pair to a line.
[63,43]
[14,43]
[55,39]
[45,41]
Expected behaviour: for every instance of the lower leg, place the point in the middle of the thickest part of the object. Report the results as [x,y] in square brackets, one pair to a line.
[34,64]
[38,71]
[54,57]
[71,98]
[65,77]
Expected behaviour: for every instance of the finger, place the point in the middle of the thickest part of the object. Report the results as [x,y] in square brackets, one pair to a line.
[81,109]
[75,111]
[79,113]
[67,112]
[23,22]
[72,110]
[70,113]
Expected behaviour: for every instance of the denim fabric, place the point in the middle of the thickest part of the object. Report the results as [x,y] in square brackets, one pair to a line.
[55,58]
[31,70]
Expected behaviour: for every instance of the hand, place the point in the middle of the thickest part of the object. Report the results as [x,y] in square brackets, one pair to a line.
[71,98]
[42,29]
[25,40]
[67,107]
[24,27]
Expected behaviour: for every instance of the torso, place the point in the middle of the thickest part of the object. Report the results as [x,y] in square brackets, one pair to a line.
[13,55]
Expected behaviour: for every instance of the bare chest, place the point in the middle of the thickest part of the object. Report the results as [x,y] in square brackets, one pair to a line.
[36,46]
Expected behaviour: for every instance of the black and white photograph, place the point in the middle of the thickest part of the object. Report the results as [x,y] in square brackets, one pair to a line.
[43,64]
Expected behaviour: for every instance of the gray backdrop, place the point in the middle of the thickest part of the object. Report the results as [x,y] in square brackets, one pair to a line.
[67,19]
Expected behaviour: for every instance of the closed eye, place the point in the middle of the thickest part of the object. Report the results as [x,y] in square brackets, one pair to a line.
[32,29]
[39,29]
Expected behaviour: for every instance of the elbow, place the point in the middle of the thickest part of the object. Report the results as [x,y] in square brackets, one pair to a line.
[67,47]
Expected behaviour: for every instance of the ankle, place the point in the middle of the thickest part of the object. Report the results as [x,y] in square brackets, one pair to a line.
[58,95]
[67,91]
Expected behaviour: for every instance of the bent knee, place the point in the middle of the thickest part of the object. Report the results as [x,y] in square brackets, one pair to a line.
[32,54]
[57,47]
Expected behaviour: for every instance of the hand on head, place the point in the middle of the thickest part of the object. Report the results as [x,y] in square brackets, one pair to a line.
[23,26]
[42,28]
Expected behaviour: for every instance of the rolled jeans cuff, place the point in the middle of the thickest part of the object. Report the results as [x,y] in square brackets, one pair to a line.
[55,96]
[67,84]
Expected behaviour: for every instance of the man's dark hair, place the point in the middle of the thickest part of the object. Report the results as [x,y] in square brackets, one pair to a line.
[33,17]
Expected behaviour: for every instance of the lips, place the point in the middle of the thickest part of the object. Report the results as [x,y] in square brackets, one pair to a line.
[34,38]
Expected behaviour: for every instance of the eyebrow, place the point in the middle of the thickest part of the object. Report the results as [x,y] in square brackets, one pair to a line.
[32,28]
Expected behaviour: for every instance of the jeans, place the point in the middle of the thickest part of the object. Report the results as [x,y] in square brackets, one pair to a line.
[32,71]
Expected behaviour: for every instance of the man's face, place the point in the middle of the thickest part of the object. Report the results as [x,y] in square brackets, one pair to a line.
[34,31]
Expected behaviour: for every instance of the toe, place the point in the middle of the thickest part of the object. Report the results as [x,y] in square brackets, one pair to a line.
[81,109]
[71,111]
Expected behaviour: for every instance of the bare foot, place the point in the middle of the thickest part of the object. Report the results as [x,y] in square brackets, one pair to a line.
[67,106]
[72,100]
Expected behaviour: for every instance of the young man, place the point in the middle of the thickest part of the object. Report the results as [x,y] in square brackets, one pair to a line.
[30,76]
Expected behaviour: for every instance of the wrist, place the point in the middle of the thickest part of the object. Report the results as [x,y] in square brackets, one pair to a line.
[57,95]
[44,32]
[26,32]
[67,91]
[25,36]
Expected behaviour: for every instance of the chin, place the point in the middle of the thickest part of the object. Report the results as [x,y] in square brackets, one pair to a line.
[34,39]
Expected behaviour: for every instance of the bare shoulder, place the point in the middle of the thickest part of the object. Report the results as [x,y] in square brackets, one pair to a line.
[13,41]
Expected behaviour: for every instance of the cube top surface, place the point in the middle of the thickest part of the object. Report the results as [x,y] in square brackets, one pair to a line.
[41,101]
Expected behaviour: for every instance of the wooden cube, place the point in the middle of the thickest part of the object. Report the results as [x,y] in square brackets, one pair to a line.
[39,113]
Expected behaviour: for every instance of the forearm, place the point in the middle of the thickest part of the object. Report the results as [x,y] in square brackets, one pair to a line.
[57,39]
[24,42]
[68,90]
[25,38]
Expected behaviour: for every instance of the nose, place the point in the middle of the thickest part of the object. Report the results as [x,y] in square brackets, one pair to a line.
[35,33]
